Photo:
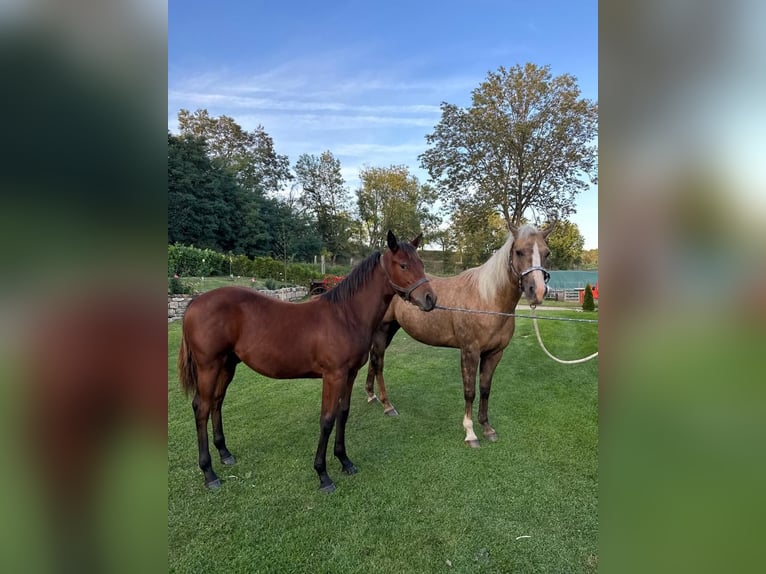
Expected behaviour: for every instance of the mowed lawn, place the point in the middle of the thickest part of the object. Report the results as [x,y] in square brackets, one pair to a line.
[422,501]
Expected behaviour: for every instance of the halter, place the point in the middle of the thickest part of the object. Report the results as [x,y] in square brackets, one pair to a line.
[404,292]
[546,275]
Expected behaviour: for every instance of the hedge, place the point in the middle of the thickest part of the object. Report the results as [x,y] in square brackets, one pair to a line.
[190,261]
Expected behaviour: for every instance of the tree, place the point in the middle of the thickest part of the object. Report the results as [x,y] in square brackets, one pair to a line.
[478,234]
[249,156]
[526,144]
[565,243]
[392,198]
[204,202]
[325,196]
[590,259]
[587,299]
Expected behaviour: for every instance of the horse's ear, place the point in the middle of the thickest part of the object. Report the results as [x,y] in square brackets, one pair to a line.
[514,230]
[416,242]
[393,244]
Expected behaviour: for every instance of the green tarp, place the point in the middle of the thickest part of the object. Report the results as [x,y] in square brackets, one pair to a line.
[572,279]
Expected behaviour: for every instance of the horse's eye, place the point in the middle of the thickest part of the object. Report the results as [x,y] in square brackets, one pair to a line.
[403,265]
[519,253]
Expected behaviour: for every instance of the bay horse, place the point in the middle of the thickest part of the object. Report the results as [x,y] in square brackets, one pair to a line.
[497,285]
[328,337]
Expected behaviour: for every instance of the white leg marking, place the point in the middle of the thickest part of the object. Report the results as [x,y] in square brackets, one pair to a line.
[468,426]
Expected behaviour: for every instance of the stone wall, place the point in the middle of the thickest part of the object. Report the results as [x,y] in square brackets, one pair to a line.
[177,303]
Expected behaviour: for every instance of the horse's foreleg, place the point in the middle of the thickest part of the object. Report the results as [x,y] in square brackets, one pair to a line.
[340,427]
[380,341]
[219,440]
[486,371]
[332,387]
[469,361]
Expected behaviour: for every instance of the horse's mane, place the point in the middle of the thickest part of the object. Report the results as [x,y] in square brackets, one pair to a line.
[353,281]
[495,273]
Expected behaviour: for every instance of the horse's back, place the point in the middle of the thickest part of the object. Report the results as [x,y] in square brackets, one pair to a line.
[216,319]
[443,328]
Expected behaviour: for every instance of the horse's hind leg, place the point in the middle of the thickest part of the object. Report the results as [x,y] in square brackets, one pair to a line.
[487,369]
[381,339]
[202,405]
[340,426]
[225,376]
[332,389]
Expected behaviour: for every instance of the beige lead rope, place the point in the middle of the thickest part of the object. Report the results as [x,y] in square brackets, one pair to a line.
[542,346]
[537,329]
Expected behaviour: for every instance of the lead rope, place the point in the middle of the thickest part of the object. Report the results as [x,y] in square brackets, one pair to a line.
[542,346]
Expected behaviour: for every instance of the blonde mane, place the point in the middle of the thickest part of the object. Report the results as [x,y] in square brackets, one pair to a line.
[495,275]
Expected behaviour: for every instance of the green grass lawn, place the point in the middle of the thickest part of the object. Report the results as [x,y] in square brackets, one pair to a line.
[422,501]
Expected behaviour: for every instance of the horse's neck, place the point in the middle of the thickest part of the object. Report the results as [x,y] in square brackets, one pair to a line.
[508,297]
[371,301]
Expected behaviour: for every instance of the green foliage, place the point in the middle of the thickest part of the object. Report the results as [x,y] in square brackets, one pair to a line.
[176,286]
[325,196]
[194,262]
[248,156]
[590,259]
[218,177]
[565,243]
[525,143]
[588,304]
[189,261]
[478,233]
[392,198]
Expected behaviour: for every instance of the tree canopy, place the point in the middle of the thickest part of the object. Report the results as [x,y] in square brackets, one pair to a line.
[392,198]
[526,144]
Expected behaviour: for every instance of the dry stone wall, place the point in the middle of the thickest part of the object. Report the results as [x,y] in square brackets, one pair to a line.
[177,303]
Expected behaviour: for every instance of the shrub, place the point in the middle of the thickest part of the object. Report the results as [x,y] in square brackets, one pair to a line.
[178,287]
[587,301]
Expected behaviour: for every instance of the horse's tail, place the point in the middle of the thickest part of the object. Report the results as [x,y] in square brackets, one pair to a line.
[187,372]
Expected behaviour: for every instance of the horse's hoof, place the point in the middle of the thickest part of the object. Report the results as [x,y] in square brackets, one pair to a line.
[491,437]
[213,484]
[392,412]
[229,460]
[473,443]
[328,488]
[351,469]
[372,399]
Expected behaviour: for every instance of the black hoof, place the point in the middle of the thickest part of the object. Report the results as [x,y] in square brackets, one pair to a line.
[213,484]
[473,443]
[372,399]
[229,460]
[392,412]
[328,488]
[349,469]
[491,437]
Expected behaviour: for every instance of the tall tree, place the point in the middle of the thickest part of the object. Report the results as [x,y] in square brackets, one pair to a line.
[325,196]
[566,243]
[204,202]
[249,156]
[392,198]
[526,144]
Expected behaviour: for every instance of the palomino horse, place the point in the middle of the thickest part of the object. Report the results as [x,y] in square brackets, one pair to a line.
[328,337]
[495,286]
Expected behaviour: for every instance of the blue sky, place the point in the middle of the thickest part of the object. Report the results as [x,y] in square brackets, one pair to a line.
[365,79]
